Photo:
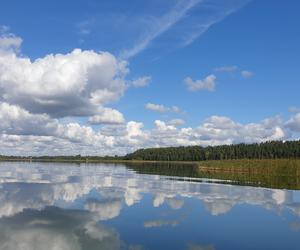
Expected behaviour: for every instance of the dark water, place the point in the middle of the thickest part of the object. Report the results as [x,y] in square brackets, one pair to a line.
[67,206]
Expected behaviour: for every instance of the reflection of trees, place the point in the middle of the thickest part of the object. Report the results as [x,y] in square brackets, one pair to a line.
[263,173]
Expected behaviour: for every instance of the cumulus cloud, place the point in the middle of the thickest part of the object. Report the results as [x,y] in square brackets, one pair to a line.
[162,126]
[140,82]
[9,43]
[219,128]
[176,122]
[18,121]
[79,83]
[24,133]
[120,139]
[20,126]
[162,109]
[156,107]
[74,84]
[107,116]
[294,123]
[34,95]
[207,83]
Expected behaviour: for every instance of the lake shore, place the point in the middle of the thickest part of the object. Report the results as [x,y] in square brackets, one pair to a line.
[94,161]
[211,165]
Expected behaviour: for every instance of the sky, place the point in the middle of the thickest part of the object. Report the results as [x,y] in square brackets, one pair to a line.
[109,77]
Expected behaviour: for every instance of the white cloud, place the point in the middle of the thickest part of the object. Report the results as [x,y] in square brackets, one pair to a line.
[140,82]
[135,136]
[74,84]
[9,42]
[218,128]
[23,128]
[52,137]
[162,126]
[163,109]
[294,123]
[160,25]
[18,121]
[184,22]
[246,73]
[176,122]
[107,116]
[207,83]
[216,11]
[156,107]
[34,94]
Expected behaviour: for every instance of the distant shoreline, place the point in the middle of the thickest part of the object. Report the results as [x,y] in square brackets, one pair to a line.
[195,155]
[93,161]
[210,165]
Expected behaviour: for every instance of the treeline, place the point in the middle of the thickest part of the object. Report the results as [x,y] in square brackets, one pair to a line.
[61,158]
[77,158]
[266,150]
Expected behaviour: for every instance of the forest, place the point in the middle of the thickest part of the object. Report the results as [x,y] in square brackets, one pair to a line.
[266,150]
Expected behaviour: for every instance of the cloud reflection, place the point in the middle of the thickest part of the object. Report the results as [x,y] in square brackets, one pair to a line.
[55,229]
[62,207]
[36,186]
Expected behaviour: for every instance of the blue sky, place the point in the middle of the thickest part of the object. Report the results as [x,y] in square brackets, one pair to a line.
[249,48]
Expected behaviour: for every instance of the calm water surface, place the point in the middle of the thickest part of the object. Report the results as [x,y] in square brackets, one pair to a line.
[67,206]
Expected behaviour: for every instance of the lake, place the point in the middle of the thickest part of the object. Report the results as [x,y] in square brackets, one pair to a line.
[58,206]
